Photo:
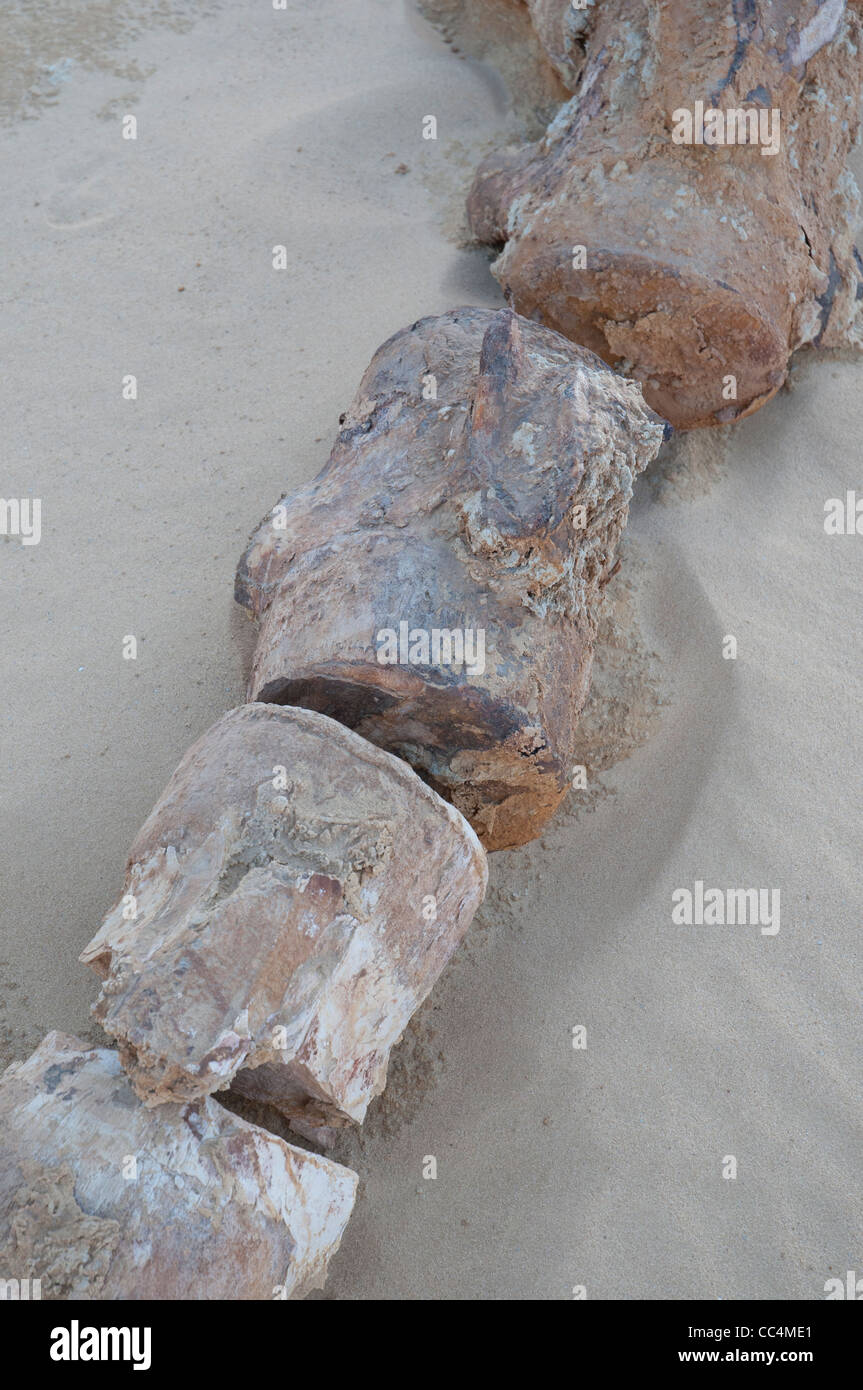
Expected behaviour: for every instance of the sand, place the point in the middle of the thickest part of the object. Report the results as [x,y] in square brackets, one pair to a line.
[557,1168]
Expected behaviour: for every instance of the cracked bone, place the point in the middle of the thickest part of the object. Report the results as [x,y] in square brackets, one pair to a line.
[295,894]
[474,496]
[103,1199]
[697,268]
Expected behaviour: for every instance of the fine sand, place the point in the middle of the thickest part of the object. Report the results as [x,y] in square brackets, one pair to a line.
[557,1167]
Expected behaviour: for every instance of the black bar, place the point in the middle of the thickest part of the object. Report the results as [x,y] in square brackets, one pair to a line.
[204,1337]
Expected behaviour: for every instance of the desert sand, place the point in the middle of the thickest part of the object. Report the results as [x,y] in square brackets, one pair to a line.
[558,1168]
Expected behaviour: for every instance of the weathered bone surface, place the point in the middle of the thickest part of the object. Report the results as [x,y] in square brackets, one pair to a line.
[297,892]
[475,494]
[101,1198]
[704,262]
[562,29]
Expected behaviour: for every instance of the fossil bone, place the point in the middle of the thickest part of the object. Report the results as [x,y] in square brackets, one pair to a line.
[697,268]
[296,892]
[103,1199]
[474,499]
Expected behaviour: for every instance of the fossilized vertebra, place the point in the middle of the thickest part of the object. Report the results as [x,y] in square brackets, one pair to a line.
[101,1198]
[477,490]
[289,903]
[696,268]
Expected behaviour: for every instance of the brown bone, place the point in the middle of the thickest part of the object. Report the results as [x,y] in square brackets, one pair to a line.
[479,485]
[103,1199]
[703,262]
[562,30]
[277,929]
